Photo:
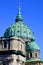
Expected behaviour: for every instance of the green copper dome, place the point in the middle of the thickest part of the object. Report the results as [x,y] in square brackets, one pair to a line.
[32,46]
[19,30]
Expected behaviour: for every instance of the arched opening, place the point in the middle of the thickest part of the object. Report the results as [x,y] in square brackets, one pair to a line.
[35,54]
[30,54]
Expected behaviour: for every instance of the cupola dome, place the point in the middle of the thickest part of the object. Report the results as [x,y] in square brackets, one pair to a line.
[32,46]
[19,29]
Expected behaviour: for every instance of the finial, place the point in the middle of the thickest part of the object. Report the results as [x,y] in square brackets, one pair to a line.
[19,7]
[19,17]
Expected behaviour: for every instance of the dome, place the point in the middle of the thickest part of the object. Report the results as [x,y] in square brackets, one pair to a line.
[19,30]
[32,46]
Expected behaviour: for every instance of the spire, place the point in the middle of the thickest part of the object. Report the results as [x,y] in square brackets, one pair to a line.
[19,17]
[19,7]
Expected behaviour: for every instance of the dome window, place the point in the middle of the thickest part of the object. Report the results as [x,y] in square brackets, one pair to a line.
[18,26]
[29,32]
[12,26]
[35,54]
[18,31]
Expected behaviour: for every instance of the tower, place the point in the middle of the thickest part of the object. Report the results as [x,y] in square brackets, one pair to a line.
[12,47]
[18,45]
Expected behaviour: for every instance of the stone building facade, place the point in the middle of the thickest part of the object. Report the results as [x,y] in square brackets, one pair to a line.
[12,51]
[18,45]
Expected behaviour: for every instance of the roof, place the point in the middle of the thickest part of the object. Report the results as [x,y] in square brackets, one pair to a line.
[28,61]
[18,30]
[32,46]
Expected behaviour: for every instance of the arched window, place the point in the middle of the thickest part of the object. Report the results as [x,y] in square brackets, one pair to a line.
[30,54]
[5,44]
[35,54]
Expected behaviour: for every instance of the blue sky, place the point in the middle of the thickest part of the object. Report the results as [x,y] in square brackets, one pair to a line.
[32,13]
